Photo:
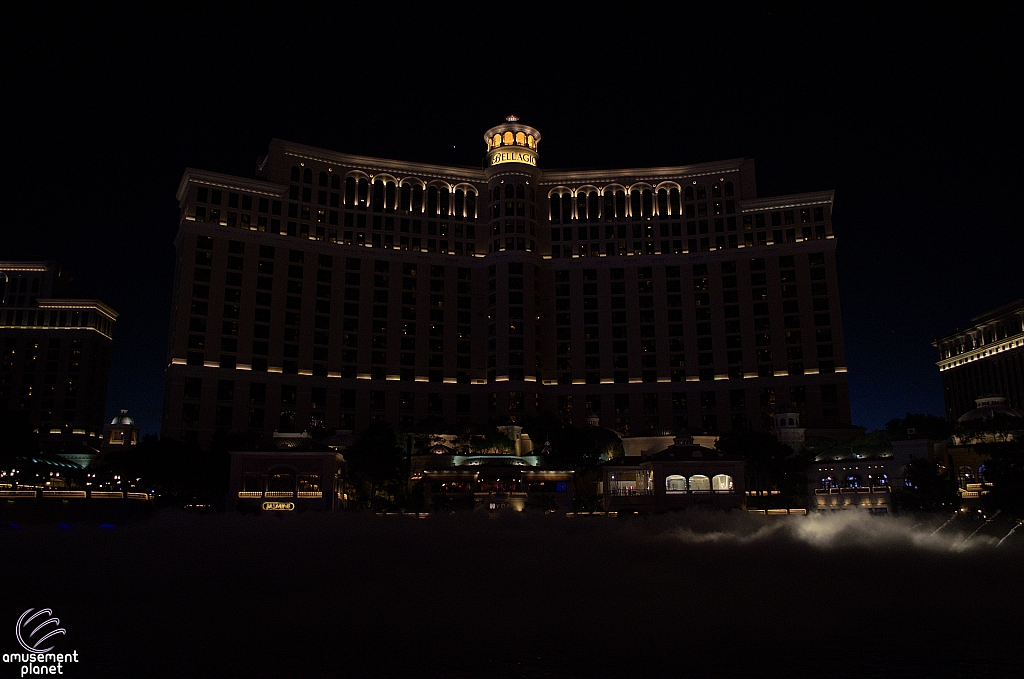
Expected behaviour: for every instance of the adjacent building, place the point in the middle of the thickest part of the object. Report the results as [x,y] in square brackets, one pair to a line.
[332,290]
[986,358]
[681,476]
[454,481]
[285,480]
[56,354]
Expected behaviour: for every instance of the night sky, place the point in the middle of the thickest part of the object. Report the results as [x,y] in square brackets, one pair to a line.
[907,118]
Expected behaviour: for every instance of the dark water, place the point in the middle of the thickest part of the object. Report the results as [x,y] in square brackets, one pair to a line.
[525,595]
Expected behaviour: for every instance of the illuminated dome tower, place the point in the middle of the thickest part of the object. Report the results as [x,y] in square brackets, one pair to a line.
[512,142]
[512,307]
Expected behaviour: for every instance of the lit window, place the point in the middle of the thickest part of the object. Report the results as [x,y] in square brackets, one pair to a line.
[675,484]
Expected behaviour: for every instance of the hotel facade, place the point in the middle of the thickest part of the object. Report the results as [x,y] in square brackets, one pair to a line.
[984,359]
[56,354]
[334,289]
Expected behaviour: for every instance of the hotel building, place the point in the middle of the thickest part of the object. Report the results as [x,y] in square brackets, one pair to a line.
[56,353]
[335,289]
[986,358]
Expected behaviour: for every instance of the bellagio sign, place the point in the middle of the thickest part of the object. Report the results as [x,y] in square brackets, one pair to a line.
[499,157]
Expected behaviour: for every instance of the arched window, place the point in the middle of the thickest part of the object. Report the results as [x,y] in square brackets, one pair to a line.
[647,203]
[688,193]
[662,203]
[853,481]
[362,191]
[497,140]
[404,197]
[470,205]
[417,199]
[432,201]
[460,203]
[566,208]
[829,482]
[609,206]
[335,181]
[254,483]
[555,204]
[308,483]
[280,481]
[295,173]
[728,188]
[508,138]
[520,191]
[721,483]
[700,484]
[378,196]
[307,176]
[620,204]
[443,198]
[322,179]
[530,141]
[879,479]
[634,204]
[593,206]
[510,192]
[675,484]
[520,138]
[673,202]
[350,191]
[389,196]
[581,207]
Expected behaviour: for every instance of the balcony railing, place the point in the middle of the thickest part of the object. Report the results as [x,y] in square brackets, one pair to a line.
[305,494]
[701,492]
[74,494]
[850,491]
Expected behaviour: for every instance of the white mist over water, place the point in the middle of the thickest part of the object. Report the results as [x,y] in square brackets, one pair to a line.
[512,595]
[834,530]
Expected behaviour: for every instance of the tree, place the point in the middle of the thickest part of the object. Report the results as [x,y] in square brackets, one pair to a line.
[374,463]
[999,427]
[924,488]
[582,450]
[926,425]
[426,433]
[18,437]
[177,471]
[770,465]
[1004,469]
[540,427]
[491,440]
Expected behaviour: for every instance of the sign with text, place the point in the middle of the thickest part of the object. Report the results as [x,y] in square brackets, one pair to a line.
[513,156]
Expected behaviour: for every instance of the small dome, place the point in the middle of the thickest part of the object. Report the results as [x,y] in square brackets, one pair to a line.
[683,438]
[123,418]
[988,406]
